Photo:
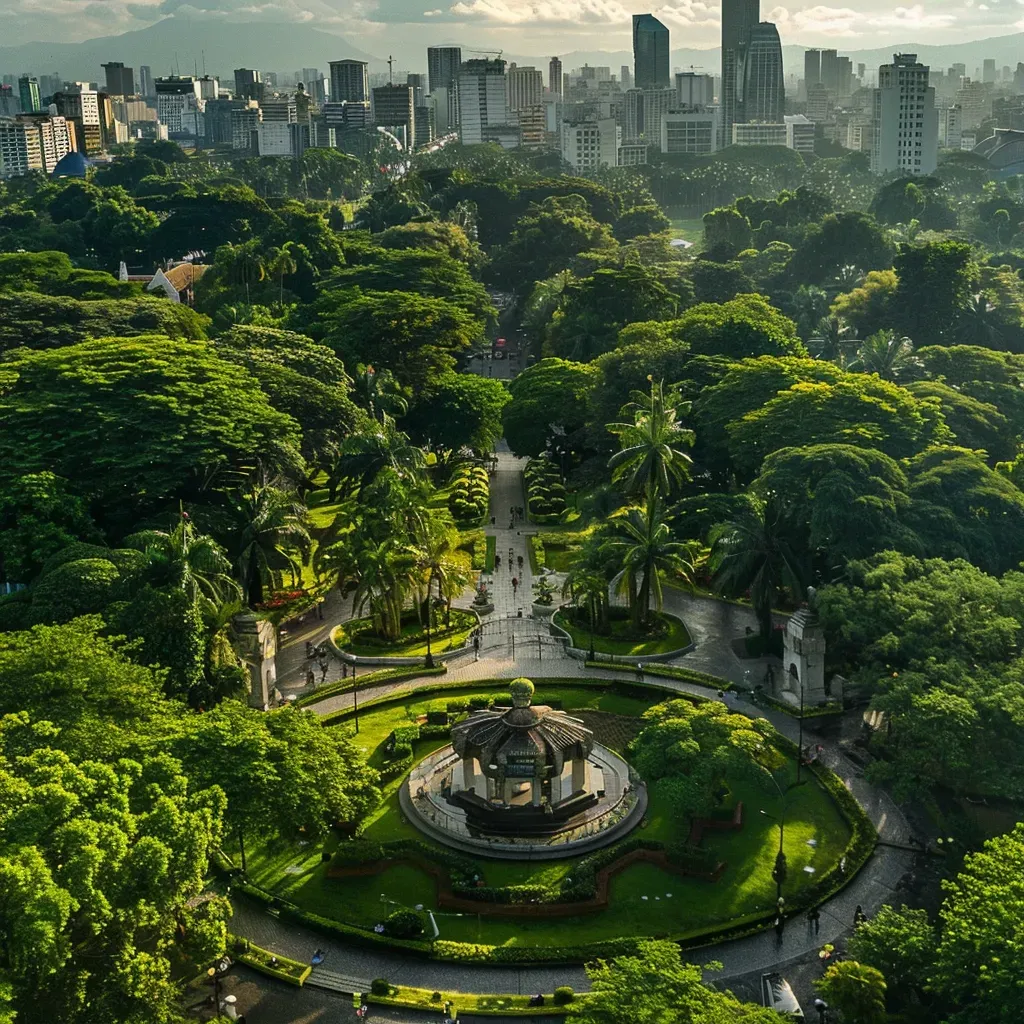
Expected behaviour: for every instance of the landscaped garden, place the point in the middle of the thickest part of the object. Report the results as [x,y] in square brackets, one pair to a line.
[618,636]
[361,637]
[643,898]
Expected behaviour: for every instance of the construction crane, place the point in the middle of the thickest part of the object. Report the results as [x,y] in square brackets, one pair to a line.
[498,53]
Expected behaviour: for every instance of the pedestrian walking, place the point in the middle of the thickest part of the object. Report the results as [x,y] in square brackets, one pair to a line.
[519,562]
[859,917]
[323,670]
[515,584]
[780,926]
[640,671]
[344,670]
[310,677]
[476,646]
[814,919]
[497,561]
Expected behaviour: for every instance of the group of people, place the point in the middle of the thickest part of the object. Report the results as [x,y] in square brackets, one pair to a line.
[517,512]
[317,655]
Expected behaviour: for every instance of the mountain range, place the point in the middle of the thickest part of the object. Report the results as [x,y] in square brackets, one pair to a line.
[184,45]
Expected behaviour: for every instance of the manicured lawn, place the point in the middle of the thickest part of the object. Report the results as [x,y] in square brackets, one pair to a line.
[691,229]
[357,637]
[673,637]
[745,891]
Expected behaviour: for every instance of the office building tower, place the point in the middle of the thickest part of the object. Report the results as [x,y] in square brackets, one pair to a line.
[812,69]
[830,71]
[693,90]
[349,81]
[424,125]
[281,109]
[650,52]
[589,144]
[633,116]
[419,88]
[625,77]
[524,87]
[28,94]
[657,103]
[988,71]
[179,106]
[689,131]
[555,77]
[245,119]
[146,87]
[209,87]
[444,64]
[482,102]
[218,127]
[799,133]
[950,127]
[33,142]
[48,85]
[764,94]
[394,108]
[532,122]
[249,84]
[738,18]
[904,119]
[975,102]
[120,80]
[819,105]
[273,138]
[80,104]
[9,102]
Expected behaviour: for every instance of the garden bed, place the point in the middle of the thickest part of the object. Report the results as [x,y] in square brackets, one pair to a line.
[668,635]
[499,1005]
[357,637]
[272,964]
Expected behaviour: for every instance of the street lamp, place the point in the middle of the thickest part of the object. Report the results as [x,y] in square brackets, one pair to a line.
[355,697]
[213,973]
[429,660]
[779,871]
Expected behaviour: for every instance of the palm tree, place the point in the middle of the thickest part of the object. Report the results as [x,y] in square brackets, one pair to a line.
[847,278]
[283,264]
[365,454]
[978,324]
[753,553]
[837,338]
[437,550]
[646,549]
[247,266]
[387,571]
[810,304]
[224,668]
[888,354]
[189,560]
[588,589]
[380,392]
[268,524]
[651,458]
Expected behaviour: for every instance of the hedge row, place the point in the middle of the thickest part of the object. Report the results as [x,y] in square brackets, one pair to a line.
[545,491]
[816,711]
[688,675]
[461,870]
[469,494]
[291,971]
[384,675]
[535,549]
[471,952]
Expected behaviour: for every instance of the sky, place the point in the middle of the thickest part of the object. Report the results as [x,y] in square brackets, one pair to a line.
[523,26]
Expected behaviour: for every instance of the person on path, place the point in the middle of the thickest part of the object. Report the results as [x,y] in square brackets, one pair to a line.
[497,561]
[814,919]
[515,584]
[859,917]
[519,562]
[310,677]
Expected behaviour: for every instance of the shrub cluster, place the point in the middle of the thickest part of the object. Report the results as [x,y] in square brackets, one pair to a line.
[545,491]
[469,497]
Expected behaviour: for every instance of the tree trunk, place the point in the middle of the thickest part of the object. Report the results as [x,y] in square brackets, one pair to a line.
[241,847]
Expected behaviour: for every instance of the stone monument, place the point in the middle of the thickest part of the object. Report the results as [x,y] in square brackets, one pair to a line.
[803,657]
[256,644]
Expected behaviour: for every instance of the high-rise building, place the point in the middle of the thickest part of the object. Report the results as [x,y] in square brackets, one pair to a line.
[830,71]
[1018,79]
[555,77]
[988,71]
[120,80]
[657,103]
[818,103]
[245,119]
[524,87]
[315,87]
[482,101]
[905,129]
[532,123]
[394,108]
[738,18]
[625,77]
[591,143]
[693,90]
[764,94]
[650,52]
[33,142]
[280,108]
[349,81]
[28,94]
[217,121]
[633,115]
[419,87]
[146,81]
[179,105]
[9,103]
[812,69]
[799,133]
[209,87]
[249,84]
[444,64]
[689,131]
[80,103]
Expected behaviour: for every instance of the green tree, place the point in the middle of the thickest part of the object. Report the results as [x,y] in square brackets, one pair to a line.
[745,326]
[549,398]
[460,410]
[887,354]
[977,962]
[376,449]
[131,423]
[726,233]
[651,459]
[868,307]
[856,991]
[935,281]
[656,987]
[755,552]
[900,943]
[647,219]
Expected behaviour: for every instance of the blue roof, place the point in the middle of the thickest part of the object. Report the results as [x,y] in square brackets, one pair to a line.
[71,165]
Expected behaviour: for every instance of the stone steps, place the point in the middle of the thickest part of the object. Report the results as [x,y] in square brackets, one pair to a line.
[335,982]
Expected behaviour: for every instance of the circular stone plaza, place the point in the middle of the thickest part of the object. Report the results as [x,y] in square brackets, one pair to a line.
[523,781]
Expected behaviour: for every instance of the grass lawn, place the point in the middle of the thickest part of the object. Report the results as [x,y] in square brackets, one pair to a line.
[489,557]
[357,637]
[674,906]
[673,636]
[692,229]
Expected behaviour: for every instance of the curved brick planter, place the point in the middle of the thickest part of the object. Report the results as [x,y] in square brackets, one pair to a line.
[617,659]
[391,662]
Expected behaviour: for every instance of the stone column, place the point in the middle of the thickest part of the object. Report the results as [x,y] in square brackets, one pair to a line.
[506,791]
[536,792]
[556,788]
[579,774]
[468,773]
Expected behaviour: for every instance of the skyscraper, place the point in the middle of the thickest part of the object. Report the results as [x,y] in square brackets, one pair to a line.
[28,93]
[524,87]
[905,125]
[443,65]
[812,69]
[764,95]
[988,70]
[146,81]
[625,77]
[650,52]
[419,87]
[738,18]
[120,80]
[350,82]
[830,72]
[394,108]
[482,101]
[248,84]
[555,77]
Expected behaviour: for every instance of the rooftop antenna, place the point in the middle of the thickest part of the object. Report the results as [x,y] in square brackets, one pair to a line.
[204,63]
[391,61]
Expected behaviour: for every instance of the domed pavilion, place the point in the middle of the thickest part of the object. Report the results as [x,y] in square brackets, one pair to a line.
[526,765]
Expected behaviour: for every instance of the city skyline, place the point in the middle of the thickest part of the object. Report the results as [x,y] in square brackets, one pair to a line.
[402,28]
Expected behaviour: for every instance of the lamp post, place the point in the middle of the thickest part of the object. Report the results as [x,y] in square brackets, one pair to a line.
[800,740]
[355,697]
[212,972]
[429,660]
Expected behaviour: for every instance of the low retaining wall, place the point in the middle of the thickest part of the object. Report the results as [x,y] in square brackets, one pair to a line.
[616,659]
[388,661]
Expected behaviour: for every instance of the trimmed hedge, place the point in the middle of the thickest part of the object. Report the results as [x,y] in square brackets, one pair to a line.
[535,549]
[688,675]
[384,675]
[545,490]
[471,952]
[815,711]
[291,971]
[469,494]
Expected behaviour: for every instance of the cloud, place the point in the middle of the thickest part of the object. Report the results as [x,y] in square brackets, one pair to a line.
[826,21]
[557,12]
[911,18]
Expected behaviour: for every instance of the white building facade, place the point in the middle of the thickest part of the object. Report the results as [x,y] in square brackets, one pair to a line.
[905,124]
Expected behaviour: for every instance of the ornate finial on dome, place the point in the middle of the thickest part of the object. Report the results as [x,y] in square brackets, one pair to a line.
[521,691]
